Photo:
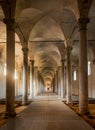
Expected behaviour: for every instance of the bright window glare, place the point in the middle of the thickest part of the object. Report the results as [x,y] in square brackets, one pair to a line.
[89,67]
[75,75]
[15,74]
[5,72]
[5,69]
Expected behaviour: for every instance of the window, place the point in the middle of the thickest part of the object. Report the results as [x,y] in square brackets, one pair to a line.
[5,69]
[15,75]
[75,75]
[89,67]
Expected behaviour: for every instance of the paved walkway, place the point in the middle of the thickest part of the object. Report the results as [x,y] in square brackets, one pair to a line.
[47,113]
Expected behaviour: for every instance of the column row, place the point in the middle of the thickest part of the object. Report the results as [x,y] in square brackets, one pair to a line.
[65,89]
[83,79]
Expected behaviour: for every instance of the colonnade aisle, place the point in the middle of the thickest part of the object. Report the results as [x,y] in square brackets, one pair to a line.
[47,115]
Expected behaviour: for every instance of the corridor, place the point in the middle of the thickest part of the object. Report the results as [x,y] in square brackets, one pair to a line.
[47,112]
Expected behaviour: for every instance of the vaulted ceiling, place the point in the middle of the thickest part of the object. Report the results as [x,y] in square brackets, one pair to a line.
[45,27]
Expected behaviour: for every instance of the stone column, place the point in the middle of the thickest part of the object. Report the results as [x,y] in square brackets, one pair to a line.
[56,82]
[35,80]
[64,82]
[39,82]
[59,80]
[10,62]
[62,79]
[83,66]
[25,76]
[69,75]
[31,78]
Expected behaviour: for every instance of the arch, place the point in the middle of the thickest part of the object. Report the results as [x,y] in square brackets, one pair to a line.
[2,15]
[92,10]
[72,5]
[21,36]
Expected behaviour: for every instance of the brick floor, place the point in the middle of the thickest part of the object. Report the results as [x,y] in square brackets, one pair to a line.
[47,112]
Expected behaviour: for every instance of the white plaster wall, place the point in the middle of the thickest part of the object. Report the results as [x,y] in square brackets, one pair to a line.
[91,83]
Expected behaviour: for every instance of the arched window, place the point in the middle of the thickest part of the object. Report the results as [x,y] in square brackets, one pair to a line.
[89,67]
[5,69]
[15,76]
[75,75]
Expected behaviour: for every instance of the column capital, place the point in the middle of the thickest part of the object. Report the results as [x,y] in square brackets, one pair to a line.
[35,67]
[32,62]
[56,70]
[9,21]
[25,50]
[63,60]
[59,67]
[82,22]
[69,48]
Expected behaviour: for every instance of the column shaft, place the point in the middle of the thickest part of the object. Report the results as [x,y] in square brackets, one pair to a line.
[25,76]
[10,59]
[31,78]
[36,81]
[62,78]
[64,83]
[39,82]
[60,89]
[83,67]
[68,75]
[56,82]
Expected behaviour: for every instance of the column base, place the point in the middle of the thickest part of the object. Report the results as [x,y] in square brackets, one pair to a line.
[84,112]
[69,101]
[9,114]
[25,103]
[31,96]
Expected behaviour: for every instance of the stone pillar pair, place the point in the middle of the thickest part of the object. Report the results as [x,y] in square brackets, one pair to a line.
[83,68]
